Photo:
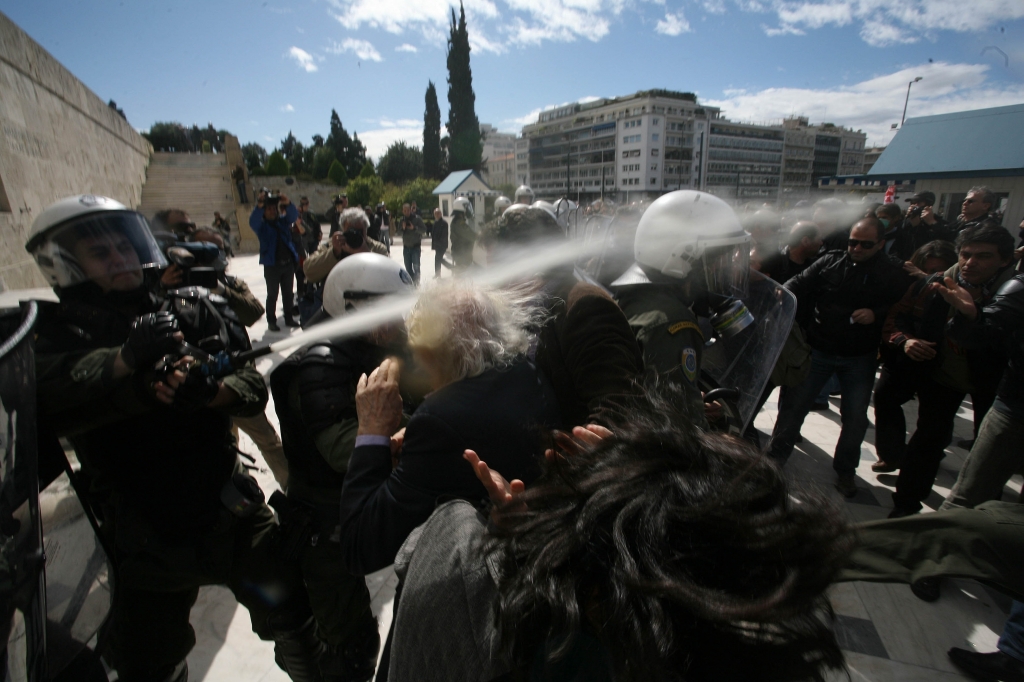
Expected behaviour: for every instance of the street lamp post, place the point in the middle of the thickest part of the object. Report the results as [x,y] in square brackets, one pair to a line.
[907,100]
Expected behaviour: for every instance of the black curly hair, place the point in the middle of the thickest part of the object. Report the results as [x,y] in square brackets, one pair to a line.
[683,552]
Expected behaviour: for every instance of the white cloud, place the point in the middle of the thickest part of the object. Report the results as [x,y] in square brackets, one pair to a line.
[303,59]
[714,6]
[518,22]
[406,47]
[377,140]
[288,108]
[363,49]
[673,24]
[874,104]
[885,22]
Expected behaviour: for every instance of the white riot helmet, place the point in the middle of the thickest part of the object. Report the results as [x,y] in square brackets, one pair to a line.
[465,205]
[89,237]
[686,233]
[524,195]
[500,204]
[361,279]
[546,205]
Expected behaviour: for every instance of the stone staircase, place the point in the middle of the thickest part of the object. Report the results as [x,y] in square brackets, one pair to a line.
[196,183]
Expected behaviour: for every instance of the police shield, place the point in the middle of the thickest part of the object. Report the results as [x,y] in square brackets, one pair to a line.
[22,595]
[744,362]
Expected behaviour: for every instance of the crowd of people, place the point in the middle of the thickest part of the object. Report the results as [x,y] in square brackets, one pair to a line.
[562,493]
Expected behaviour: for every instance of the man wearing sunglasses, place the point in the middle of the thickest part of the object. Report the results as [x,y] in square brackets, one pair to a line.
[846,296]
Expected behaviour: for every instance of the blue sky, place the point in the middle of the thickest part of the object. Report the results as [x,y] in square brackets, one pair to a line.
[261,68]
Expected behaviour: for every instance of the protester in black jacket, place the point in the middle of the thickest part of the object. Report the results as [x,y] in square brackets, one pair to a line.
[923,359]
[920,226]
[486,396]
[850,294]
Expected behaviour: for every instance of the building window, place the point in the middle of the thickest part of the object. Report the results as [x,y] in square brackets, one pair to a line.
[654,152]
[654,166]
[654,121]
[654,181]
[655,137]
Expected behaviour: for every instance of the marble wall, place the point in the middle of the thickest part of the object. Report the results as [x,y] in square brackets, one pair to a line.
[57,138]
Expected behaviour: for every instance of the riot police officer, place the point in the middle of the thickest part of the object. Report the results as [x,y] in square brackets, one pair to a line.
[524,195]
[463,234]
[152,430]
[314,393]
[691,259]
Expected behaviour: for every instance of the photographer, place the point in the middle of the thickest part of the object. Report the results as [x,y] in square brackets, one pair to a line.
[413,230]
[350,238]
[920,226]
[272,221]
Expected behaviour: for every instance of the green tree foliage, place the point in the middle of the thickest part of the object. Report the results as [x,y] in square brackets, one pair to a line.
[364,191]
[336,173]
[347,149]
[172,136]
[368,170]
[294,153]
[322,162]
[276,164]
[255,156]
[419,190]
[466,148]
[207,147]
[431,136]
[400,163]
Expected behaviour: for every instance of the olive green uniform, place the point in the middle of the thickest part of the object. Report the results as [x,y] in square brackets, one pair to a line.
[156,476]
[668,333]
[314,393]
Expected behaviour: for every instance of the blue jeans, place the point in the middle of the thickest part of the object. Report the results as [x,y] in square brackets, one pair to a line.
[412,261]
[856,376]
[1011,642]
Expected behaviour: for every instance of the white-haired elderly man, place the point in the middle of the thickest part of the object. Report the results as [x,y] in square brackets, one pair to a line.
[351,238]
[485,396]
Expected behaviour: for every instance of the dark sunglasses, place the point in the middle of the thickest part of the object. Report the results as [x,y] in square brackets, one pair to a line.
[864,243]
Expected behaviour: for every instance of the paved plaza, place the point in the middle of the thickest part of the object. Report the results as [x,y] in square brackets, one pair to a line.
[886,632]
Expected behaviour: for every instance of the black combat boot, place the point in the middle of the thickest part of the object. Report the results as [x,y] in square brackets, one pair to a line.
[356,660]
[297,652]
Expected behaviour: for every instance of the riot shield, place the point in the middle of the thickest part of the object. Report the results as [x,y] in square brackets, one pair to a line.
[745,361]
[22,593]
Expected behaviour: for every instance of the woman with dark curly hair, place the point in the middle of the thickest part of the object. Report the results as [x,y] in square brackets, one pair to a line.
[653,551]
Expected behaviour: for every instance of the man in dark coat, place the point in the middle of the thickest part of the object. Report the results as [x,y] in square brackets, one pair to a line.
[850,293]
[439,241]
[486,396]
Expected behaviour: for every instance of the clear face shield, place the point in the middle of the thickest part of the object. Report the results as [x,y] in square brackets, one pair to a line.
[111,249]
[726,270]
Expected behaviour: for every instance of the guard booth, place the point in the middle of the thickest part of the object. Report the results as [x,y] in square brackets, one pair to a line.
[467,184]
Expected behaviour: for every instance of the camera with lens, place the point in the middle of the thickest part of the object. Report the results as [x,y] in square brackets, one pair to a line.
[914,211]
[198,261]
[353,237]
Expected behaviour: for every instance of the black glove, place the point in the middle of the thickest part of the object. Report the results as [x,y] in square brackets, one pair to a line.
[195,392]
[151,337]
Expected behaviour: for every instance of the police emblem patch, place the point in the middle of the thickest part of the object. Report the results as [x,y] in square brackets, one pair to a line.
[690,363]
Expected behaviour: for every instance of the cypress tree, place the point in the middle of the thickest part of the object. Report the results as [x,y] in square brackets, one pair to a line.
[432,135]
[465,148]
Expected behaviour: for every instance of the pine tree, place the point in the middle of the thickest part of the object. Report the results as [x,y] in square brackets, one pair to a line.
[431,135]
[338,141]
[465,149]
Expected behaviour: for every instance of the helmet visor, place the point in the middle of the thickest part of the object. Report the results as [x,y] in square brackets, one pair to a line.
[727,269]
[111,248]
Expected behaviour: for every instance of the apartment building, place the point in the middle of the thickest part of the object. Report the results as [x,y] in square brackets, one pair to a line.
[646,143]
